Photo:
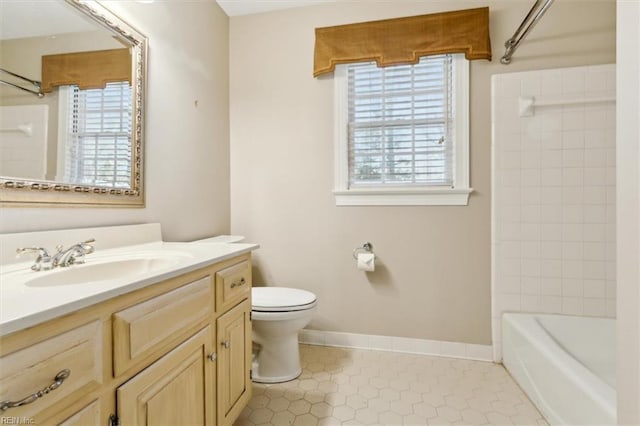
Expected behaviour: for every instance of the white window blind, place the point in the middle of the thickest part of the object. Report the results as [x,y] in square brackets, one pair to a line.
[401,124]
[98,151]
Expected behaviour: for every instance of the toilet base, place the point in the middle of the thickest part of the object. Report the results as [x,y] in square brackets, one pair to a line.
[255,376]
[276,360]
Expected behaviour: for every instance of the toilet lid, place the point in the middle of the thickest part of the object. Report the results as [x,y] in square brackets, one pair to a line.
[277,299]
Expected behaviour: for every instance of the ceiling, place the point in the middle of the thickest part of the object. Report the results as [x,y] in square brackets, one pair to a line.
[47,17]
[33,18]
[248,7]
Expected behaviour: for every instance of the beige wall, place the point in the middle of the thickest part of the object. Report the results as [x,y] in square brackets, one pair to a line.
[433,278]
[187,147]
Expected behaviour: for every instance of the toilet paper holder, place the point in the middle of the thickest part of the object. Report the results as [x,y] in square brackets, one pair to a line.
[366,248]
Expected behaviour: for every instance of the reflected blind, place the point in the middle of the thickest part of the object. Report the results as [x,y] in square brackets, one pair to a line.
[400,123]
[99,148]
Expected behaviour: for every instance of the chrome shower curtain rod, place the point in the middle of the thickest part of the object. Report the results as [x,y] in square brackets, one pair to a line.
[532,18]
[35,83]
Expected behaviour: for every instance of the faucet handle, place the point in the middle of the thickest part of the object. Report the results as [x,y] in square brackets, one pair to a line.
[87,246]
[79,251]
[43,261]
[41,251]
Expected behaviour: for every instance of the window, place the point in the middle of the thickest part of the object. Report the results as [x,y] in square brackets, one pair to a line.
[402,133]
[96,125]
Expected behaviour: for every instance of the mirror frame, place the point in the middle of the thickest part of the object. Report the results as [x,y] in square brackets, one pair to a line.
[42,193]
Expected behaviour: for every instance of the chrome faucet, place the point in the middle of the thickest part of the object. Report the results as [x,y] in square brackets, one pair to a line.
[43,261]
[71,256]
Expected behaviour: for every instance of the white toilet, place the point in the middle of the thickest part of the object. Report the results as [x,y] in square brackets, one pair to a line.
[278,314]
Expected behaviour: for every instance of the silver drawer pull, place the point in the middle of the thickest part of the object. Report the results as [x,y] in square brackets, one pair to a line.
[238,283]
[212,356]
[57,382]
[226,344]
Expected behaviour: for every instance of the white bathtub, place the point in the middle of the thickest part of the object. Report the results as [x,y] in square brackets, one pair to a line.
[565,364]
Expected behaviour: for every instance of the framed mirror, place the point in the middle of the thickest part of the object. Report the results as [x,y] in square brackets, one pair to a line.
[73,79]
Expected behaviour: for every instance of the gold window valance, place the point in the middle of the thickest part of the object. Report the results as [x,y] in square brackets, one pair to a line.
[87,70]
[404,40]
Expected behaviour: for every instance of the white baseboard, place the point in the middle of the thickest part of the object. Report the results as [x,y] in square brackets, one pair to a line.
[397,344]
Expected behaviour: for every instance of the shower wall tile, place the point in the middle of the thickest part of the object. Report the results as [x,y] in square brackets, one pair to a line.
[24,152]
[554,194]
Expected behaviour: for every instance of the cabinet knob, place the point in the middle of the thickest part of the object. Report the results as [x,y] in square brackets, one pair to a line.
[212,356]
[226,344]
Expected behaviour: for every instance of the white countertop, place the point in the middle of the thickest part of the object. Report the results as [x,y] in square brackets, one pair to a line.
[23,305]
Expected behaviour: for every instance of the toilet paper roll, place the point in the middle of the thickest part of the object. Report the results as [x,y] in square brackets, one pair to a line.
[366,261]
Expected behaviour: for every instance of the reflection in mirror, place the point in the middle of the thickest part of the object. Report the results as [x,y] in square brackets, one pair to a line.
[70,105]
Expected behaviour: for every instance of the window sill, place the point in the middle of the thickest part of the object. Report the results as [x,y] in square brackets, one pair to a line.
[402,197]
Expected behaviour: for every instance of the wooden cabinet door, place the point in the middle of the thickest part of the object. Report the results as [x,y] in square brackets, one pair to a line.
[234,362]
[178,389]
[89,415]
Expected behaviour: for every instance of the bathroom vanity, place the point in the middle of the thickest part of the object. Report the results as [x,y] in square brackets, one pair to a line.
[170,344]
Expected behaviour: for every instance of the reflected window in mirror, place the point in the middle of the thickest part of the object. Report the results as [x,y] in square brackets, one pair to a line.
[95,135]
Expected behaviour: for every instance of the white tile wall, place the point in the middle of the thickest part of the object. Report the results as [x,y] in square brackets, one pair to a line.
[23,155]
[553,194]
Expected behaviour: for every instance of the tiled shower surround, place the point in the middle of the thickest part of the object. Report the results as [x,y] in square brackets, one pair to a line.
[554,193]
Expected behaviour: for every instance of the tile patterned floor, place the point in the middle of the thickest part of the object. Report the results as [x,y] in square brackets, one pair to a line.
[359,387]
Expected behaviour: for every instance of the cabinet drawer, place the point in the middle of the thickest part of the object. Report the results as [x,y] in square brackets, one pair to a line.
[233,284]
[34,368]
[151,328]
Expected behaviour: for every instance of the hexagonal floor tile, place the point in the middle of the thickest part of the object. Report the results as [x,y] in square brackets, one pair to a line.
[300,407]
[344,413]
[305,420]
[321,409]
[355,387]
[278,404]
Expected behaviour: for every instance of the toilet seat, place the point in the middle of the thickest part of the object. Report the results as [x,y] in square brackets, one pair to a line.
[281,299]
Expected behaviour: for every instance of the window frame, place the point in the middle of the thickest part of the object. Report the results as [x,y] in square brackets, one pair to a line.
[64,130]
[403,195]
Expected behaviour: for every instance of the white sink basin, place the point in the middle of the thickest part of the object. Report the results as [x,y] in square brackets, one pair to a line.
[81,274]
[105,269]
